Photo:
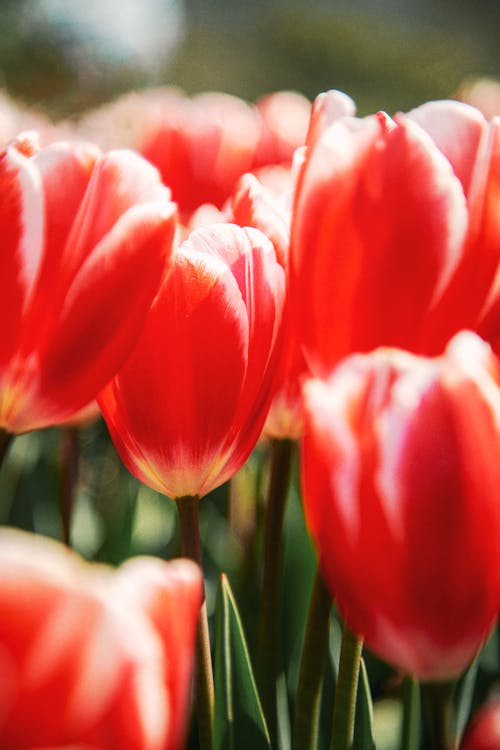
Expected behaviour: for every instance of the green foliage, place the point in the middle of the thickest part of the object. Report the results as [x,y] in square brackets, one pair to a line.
[239,721]
[363,732]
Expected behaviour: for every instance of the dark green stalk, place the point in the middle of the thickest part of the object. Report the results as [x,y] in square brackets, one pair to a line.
[69,476]
[191,547]
[438,703]
[269,631]
[344,710]
[6,439]
[410,739]
[314,650]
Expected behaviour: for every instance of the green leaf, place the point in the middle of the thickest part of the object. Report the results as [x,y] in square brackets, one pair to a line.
[410,730]
[363,733]
[465,697]
[239,721]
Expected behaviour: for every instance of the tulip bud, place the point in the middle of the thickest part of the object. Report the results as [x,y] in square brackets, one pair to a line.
[188,406]
[401,475]
[395,234]
[85,240]
[90,657]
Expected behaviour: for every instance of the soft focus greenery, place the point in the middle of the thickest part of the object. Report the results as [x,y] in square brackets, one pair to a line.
[388,56]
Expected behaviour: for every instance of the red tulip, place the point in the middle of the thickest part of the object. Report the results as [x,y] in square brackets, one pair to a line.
[254,205]
[85,239]
[328,107]
[484,731]
[201,146]
[400,475]
[187,408]
[93,658]
[285,116]
[268,208]
[395,239]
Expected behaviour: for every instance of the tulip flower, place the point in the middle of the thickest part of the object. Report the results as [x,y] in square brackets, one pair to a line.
[254,205]
[90,657]
[400,477]
[285,116]
[267,206]
[85,240]
[484,731]
[188,405]
[203,144]
[395,239]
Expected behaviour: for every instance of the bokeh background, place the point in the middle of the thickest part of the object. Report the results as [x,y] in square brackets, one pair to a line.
[67,55]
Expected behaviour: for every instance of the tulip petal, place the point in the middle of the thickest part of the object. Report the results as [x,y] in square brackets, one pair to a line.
[379,223]
[205,390]
[130,181]
[92,335]
[457,130]
[22,222]
[253,206]
[195,341]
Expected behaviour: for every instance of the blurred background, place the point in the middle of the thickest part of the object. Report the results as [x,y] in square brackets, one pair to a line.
[68,55]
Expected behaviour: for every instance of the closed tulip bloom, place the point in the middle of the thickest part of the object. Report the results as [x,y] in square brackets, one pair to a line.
[187,407]
[85,240]
[400,475]
[93,658]
[395,240]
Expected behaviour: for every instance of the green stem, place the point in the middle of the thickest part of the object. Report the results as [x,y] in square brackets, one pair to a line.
[269,631]
[69,476]
[6,439]
[438,701]
[314,649]
[191,547]
[411,715]
[344,710]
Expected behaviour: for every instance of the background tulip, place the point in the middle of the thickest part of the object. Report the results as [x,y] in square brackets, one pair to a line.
[187,407]
[400,476]
[203,144]
[90,657]
[255,205]
[85,241]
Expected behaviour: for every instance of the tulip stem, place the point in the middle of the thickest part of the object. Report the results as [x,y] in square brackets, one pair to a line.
[439,707]
[69,475]
[314,649]
[6,439]
[269,631]
[411,715]
[191,547]
[346,690]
